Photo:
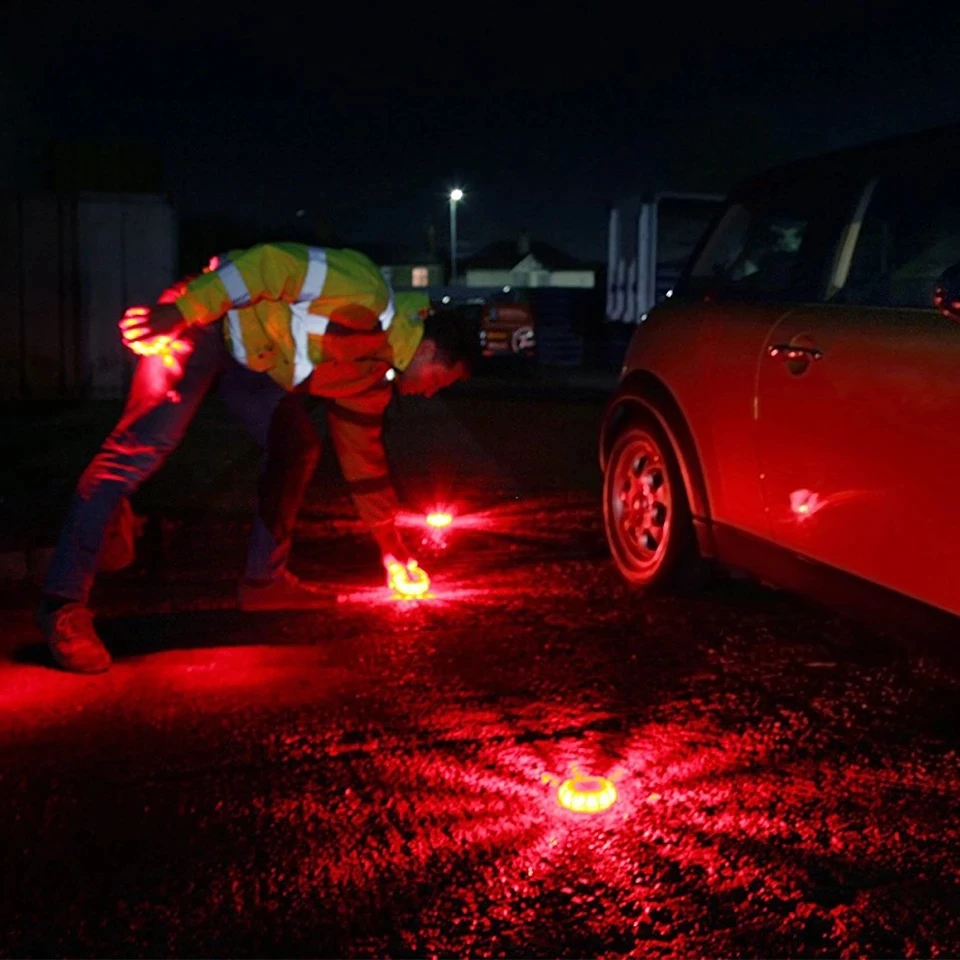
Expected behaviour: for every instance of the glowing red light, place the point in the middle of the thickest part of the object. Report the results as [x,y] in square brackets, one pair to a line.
[160,346]
[408,581]
[587,794]
[439,520]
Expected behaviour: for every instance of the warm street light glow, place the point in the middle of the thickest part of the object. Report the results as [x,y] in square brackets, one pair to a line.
[456,195]
[587,794]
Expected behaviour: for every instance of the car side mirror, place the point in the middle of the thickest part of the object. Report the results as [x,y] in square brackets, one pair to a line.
[946,294]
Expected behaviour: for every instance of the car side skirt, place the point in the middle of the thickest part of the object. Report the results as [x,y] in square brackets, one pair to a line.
[882,609]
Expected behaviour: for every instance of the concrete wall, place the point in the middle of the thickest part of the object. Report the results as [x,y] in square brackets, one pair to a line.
[127,246]
[488,278]
[579,279]
[69,266]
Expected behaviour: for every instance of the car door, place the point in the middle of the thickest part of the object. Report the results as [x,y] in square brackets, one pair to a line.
[770,252]
[858,403]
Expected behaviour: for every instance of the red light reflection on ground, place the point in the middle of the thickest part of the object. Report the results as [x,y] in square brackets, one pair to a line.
[436,523]
[689,793]
[436,518]
[540,520]
[380,596]
[495,802]
[40,694]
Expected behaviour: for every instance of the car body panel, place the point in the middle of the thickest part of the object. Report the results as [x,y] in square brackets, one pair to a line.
[859,470]
[849,462]
[708,356]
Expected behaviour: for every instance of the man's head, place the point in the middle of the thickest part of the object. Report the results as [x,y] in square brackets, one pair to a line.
[446,354]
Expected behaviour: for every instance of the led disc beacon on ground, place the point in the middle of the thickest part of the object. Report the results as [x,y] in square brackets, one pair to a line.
[587,794]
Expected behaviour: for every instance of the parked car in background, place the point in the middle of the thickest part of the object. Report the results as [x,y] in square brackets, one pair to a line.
[507,329]
[794,408]
[505,324]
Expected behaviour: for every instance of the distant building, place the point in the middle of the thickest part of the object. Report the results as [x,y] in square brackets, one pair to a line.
[524,263]
[406,267]
[417,274]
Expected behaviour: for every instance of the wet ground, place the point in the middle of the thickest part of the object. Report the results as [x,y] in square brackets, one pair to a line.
[381,778]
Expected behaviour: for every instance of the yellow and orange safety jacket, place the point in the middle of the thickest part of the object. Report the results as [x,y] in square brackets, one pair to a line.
[325,322]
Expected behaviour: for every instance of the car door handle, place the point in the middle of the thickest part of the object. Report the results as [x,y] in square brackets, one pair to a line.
[789,351]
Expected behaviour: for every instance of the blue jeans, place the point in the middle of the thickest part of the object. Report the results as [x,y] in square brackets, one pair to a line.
[161,404]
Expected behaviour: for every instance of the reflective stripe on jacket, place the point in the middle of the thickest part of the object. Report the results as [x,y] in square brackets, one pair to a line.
[321,321]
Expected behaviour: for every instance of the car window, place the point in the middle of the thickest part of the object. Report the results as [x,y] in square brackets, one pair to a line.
[910,234]
[773,245]
[754,249]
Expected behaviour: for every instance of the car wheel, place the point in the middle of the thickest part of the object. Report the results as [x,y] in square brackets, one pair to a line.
[645,510]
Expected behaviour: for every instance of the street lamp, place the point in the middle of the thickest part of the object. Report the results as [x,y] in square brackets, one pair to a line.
[456,196]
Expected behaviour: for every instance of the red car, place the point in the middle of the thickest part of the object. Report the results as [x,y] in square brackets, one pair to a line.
[794,407]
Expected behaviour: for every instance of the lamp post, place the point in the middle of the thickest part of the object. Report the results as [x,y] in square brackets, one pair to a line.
[455,197]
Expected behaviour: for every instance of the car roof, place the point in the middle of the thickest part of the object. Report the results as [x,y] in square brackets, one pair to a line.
[936,147]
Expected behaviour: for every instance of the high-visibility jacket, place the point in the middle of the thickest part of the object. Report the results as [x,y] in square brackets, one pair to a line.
[325,322]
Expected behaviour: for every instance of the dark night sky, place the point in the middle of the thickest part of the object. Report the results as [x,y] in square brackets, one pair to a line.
[364,124]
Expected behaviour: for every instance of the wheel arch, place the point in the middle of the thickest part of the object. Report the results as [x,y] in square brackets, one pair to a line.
[643,392]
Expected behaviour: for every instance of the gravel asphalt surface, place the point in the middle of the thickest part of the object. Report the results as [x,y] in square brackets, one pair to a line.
[380,778]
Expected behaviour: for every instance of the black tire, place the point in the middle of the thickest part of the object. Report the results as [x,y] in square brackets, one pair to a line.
[646,512]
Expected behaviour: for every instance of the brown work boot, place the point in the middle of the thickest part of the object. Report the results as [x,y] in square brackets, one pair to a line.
[72,640]
[287,592]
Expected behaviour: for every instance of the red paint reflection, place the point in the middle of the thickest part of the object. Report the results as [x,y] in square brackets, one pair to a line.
[804,503]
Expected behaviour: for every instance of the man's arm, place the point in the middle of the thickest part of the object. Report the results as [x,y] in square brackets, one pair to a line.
[268,271]
[351,290]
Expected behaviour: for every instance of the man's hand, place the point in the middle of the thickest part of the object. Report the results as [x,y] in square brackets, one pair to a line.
[143,327]
[407,579]
[154,331]
[404,574]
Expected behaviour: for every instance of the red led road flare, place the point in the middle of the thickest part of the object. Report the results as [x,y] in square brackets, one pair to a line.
[164,347]
[587,794]
[439,520]
[408,581]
